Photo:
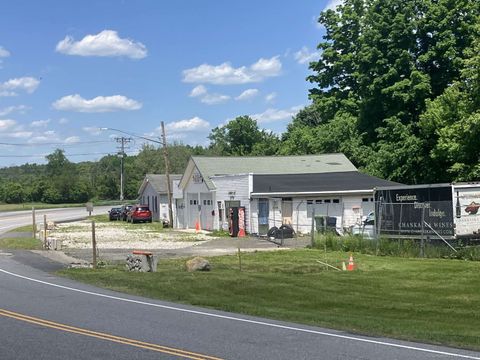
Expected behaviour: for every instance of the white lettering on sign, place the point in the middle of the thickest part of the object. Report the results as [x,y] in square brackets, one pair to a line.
[406,197]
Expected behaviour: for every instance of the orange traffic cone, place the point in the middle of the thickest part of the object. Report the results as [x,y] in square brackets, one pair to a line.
[351,265]
[241,233]
[197,226]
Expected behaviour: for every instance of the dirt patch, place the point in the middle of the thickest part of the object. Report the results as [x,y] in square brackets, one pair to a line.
[78,235]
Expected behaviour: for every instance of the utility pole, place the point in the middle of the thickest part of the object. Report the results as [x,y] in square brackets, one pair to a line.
[122,140]
[167,175]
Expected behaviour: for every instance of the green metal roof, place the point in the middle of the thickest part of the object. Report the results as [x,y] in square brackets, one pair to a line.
[300,164]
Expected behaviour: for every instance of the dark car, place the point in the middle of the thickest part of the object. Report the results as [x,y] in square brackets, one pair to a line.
[115,214]
[139,213]
[125,210]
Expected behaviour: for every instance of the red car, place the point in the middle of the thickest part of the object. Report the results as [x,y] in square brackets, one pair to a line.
[139,213]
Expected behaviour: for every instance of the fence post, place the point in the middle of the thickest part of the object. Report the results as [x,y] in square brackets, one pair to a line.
[45,242]
[422,240]
[312,231]
[34,226]
[94,246]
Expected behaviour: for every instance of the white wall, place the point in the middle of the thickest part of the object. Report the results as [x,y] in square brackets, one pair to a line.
[349,210]
[149,197]
[232,187]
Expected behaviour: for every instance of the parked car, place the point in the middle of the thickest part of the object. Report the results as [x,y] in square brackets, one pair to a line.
[367,228]
[115,213]
[125,210]
[139,213]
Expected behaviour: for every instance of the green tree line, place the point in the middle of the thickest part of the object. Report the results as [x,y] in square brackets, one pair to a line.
[396,88]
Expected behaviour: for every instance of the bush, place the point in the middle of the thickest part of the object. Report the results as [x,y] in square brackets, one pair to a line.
[395,247]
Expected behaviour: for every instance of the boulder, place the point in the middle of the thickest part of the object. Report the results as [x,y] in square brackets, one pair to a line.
[198,264]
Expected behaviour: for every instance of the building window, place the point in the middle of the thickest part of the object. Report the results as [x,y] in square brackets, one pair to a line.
[319,201]
[327,201]
[336,201]
[364,199]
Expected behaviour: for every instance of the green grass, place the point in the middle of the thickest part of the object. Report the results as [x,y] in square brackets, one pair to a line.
[429,300]
[26,228]
[20,243]
[38,206]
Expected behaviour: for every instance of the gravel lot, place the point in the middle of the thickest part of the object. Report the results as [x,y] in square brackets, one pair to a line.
[78,235]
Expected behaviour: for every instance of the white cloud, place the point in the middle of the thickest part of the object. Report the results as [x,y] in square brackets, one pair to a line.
[72,140]
[7,124]
[304,55]
[98,104]
[193,124]
[39,123]
[332,4]
[214,99]
[270,97]
[198,91]
[105,43]
[225,74]
[247,94]
[10,87]
[46,136]
[272,115]
[63,121]
[92,130]
[4,52]
[11,109]
[20,134]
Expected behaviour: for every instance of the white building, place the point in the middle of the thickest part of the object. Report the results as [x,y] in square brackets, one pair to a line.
[274,190]
[153,192]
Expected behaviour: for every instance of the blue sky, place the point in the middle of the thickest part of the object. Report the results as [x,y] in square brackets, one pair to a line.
[68,68]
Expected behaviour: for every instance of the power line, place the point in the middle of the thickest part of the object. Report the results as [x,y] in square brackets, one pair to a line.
[54,144]
[67,155]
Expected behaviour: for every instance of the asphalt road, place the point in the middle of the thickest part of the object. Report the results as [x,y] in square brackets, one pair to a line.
[12,219]
[46,317]
[43,316]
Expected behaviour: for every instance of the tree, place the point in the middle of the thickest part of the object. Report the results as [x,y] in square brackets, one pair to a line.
[382,62]
[240,137]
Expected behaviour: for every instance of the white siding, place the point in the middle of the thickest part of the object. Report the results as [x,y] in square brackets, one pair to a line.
[158,203]
[349,210]
[233,187]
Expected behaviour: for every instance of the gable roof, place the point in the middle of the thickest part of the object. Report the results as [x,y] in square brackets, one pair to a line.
[159,182]
[333,182]
[298,164]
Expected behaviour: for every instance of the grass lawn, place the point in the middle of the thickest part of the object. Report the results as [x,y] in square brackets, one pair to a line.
[428,300]
[20,243]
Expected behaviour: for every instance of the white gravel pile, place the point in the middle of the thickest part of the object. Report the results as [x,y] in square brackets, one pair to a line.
[78,235]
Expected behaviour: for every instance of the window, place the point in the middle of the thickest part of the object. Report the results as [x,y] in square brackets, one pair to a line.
[319,201]
[327,201]
[193,202]
[336,201]
[364,199]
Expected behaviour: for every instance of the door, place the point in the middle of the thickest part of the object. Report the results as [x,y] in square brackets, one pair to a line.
[263,213]
[193,210]
[207,211]
[287,210]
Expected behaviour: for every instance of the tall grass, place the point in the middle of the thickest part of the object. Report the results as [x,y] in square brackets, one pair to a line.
[407,248]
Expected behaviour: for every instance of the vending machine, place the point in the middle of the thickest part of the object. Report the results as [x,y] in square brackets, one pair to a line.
[236,221]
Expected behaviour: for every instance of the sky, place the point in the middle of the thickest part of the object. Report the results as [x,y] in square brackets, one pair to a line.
[71,71]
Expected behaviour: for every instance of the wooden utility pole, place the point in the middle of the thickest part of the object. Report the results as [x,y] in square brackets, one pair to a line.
[167,175]
[122,140]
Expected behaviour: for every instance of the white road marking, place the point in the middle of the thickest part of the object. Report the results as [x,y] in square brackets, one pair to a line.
[225,317]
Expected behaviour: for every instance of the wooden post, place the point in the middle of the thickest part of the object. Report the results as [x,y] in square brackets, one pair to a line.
[422,240]
[45,242]
[239,256]
[94,246]
[312,231]
[34,226]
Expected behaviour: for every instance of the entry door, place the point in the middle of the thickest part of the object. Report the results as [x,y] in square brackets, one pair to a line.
[287,210]
[263,213]
[193,210]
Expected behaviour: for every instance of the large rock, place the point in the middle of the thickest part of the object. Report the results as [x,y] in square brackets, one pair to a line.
[198,264]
